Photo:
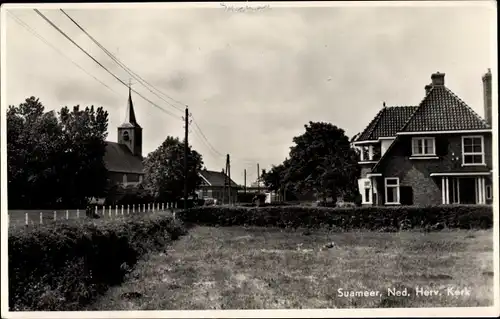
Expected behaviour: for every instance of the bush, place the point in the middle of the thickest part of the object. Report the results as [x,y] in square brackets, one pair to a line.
[369,218]
[65,266]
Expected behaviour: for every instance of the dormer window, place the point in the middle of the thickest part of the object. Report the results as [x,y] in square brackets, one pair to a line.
[423,146]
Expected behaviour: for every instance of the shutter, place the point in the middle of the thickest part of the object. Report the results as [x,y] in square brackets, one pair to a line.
[441,146]
[406,194]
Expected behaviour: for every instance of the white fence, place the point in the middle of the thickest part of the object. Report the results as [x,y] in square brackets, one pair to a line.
[34,217]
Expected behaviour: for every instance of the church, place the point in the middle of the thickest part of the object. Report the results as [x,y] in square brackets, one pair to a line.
[123,159]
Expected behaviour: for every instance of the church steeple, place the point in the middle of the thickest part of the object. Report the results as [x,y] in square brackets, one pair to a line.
[130,132]
[130,113]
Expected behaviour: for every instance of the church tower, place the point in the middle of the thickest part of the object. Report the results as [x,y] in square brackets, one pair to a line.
[130,132]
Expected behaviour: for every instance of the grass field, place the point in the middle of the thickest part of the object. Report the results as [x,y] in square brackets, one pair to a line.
[266,268]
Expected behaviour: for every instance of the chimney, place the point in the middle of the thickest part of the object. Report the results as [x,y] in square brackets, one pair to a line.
[437,79]
[428,88]
[487,96]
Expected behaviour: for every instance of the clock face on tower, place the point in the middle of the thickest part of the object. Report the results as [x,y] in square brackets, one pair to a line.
[125,136]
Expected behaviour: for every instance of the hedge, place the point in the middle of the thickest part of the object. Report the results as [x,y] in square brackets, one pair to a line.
[64,267]
[368,218]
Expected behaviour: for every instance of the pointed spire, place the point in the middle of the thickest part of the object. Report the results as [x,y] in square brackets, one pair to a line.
[130,113]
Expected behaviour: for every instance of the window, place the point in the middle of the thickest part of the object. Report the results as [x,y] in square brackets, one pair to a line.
[365,153]
[489,195]
[472,150]
[204,192]
[423,146]
[392,190]
[140,178]
[124,178]
[367,191]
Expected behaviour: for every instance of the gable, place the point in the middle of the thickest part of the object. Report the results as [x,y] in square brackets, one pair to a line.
[442,110]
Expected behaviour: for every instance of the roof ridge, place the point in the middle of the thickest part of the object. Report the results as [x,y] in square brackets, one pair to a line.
[417,108]
[374,121]
[467,106]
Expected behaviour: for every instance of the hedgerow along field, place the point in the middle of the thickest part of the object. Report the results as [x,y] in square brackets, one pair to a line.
[187,274]
[65,265]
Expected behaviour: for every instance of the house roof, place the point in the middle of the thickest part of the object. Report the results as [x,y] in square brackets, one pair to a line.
[215,178]
[442,110]
[119,158]
[387,122]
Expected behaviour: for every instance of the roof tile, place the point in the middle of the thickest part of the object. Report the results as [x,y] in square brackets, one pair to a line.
[216,178]
[118,158]
[442,110]
[387,122]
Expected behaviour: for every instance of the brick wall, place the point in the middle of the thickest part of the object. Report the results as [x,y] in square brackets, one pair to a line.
[414,174]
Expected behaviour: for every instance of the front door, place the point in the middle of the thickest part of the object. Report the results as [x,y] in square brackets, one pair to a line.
[467,190]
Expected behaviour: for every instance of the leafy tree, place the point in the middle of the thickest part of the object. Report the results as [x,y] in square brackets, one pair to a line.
[54,160]
[323,161]
[164,170]
[83,140]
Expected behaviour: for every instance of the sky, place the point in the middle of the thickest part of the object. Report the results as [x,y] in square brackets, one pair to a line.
[252,79]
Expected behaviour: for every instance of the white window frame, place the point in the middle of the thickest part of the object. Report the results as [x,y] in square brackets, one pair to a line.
[423,139]
[368,200]
[397,186]
[489,192]
[473,153]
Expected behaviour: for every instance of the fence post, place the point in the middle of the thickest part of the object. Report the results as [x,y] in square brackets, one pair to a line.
[128,209]
[122,210]
[26,219]
[103,211]
[116,210]
[109,211]
[78,213]
[67,214]
[133,208]
[143,208]
[41,218]
[55,215]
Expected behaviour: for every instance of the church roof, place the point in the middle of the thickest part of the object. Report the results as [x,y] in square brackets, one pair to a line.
[119,158]
[130,120]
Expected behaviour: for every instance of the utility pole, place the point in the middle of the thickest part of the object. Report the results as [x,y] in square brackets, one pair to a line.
[245,180]
[224,188]
[186,131]
[258,178]
[228,169]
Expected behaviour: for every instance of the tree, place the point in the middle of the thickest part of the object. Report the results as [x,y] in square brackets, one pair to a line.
[164,170]
[83,140]
[54,160]
[323,161]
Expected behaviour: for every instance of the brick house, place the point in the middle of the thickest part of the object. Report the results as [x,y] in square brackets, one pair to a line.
[213,186]
[123,159]
[439,152]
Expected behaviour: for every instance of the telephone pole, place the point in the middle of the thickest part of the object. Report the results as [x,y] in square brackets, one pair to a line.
[186,131]
[228,169]
[245,180]
[258,178]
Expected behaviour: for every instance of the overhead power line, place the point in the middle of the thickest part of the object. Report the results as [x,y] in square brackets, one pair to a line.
[102,66]
[41,38]
[123,66]
[145,83]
